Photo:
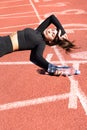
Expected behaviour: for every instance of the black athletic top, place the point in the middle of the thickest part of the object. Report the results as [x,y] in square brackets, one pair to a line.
[30,39]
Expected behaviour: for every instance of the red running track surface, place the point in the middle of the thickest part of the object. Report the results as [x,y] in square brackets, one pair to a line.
[28,100]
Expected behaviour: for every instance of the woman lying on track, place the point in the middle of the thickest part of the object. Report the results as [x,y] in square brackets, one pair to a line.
[36,40]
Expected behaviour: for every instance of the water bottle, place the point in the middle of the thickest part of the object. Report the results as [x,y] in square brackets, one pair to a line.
[67,71]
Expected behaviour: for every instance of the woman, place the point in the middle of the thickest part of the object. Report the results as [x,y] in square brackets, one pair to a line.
[36,40]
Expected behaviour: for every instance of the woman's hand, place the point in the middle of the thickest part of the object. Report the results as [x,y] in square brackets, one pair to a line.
[57,73]
[63,36]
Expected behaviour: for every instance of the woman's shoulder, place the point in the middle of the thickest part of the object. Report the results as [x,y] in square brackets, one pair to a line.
[29,29]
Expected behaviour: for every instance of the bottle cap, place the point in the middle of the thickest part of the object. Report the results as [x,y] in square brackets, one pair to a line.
[77,72]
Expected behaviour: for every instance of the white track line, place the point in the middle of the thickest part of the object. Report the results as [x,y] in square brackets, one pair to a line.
[36,1]
[75,92]
[35,11]
[16,63]
[75,25]
[35,101]
[72,61]
[17,17]
[16,26]
[14,6]
[55,62]
[83,99]
[10,1]
[12,14]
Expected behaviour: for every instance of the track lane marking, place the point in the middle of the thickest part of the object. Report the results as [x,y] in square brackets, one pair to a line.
[35,101]
[75,91]
[54,62]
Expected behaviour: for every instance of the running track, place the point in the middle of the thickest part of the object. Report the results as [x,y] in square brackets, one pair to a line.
[28,100]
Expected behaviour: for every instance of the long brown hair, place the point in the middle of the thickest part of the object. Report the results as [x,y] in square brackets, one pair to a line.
[66,44]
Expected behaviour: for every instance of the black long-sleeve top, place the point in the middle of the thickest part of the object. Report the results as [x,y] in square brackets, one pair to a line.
[30,39]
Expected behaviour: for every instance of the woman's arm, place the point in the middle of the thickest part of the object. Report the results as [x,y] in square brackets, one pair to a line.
[37,58]
[51,20]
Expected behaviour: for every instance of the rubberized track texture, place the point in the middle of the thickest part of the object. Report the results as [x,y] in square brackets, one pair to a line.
[29,100]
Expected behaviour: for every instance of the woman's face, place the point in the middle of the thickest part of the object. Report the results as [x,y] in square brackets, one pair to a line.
[50,34]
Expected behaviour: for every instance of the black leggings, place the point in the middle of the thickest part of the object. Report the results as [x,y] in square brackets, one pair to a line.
[5,45]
